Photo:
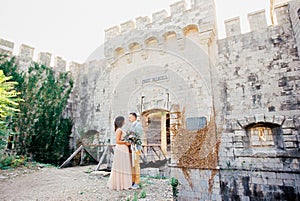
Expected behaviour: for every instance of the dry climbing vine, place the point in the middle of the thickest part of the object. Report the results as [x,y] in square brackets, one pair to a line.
[197,150]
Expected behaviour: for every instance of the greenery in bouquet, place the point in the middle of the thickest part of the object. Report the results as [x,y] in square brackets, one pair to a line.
[133,138]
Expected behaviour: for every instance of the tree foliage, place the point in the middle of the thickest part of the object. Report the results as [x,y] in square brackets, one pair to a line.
[43,131]
[8,96]
[8,105]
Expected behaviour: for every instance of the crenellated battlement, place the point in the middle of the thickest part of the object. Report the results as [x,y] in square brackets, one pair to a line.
[26,51]
[154,31]
[6,47]
[26,54]
[141,22]
[161,18]
[44,58]
[112,32]
[161,26]
[60,64]
[233,26]
[257,20]
[178,7]
[127,26]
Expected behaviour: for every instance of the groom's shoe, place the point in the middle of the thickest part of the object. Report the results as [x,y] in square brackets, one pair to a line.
[135,186]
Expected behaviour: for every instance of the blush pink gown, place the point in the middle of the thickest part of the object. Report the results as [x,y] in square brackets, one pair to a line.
[121,175]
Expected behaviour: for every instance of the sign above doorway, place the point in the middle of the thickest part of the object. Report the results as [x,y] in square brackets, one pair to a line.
[155,79]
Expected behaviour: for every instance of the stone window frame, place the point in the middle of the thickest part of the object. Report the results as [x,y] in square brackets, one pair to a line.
[238,128]
[276,134]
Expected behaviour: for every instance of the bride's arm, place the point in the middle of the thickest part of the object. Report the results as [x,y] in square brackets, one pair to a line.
[118,138]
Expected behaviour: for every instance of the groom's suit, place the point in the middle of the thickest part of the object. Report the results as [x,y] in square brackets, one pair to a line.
[137,128]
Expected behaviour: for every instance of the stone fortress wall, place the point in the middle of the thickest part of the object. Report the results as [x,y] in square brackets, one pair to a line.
[245,86]
[261,73]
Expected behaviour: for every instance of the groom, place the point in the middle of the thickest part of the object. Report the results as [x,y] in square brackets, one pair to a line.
[137,128]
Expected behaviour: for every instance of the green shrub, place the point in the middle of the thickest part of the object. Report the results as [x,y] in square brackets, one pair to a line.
[12,161]
[174,183]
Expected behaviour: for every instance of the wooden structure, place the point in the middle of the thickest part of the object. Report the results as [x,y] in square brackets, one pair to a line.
[152,155]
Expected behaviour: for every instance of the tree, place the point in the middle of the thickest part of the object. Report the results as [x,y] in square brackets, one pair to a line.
[8,105]
[43,131]
[8,95]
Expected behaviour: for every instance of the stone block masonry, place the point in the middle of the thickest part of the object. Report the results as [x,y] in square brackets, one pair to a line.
[260,160]
[172,68]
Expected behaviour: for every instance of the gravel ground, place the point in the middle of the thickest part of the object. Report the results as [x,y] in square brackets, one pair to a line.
[75,183]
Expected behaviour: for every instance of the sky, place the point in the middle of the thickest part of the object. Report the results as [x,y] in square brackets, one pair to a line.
[73,29]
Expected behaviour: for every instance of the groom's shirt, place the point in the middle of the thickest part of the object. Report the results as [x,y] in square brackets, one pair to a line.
[137,128]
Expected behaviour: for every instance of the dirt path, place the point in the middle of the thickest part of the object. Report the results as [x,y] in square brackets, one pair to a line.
[71,184]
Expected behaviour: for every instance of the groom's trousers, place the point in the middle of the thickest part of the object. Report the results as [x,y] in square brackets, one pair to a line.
[136,170]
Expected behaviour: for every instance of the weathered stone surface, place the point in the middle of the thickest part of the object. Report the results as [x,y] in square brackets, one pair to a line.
[288,123]
[259,118]
[247,87]
[150,172]
[243,122]
[278,119]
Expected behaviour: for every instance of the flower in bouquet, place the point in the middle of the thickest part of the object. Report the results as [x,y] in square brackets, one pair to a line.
[133,138]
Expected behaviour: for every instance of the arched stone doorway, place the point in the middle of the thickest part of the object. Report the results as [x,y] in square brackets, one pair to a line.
[156,124]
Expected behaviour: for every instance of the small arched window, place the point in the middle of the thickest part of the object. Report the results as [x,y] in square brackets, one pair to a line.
[264,135]
[190,29]
[134,46]
[170,35]
[298,12]
[152,41]
[119,51]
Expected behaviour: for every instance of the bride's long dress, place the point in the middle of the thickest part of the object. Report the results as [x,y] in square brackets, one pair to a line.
[120,176]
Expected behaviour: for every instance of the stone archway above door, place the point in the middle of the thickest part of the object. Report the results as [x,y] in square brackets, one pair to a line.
[152,97]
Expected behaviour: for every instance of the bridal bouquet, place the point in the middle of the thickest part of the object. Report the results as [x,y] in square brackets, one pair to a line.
[136,143]
[133,138]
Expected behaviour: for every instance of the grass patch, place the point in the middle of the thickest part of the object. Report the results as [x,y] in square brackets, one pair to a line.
[7,162]
[10,162]
[158,177]
[143,194]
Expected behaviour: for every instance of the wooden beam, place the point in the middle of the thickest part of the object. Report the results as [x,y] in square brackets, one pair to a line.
[102,158]
[143,156]
[155,153]
[98,145]
[72,156]
[81,156]
[163,153]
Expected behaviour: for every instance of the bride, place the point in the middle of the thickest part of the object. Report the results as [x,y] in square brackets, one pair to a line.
[120,176]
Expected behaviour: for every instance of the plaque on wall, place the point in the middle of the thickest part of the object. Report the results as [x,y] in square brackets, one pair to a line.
[155,79]
[195,123]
